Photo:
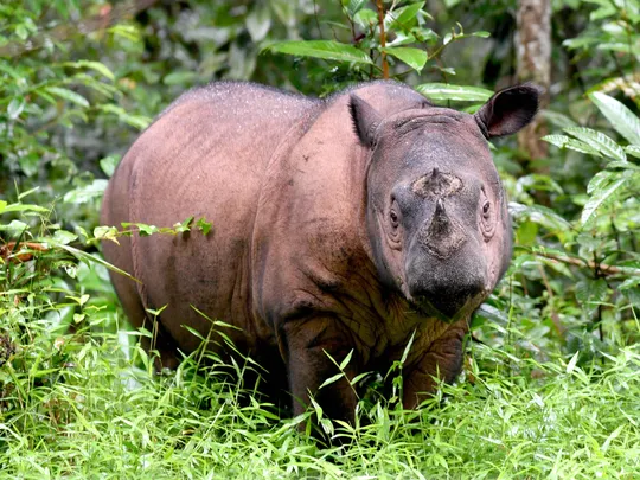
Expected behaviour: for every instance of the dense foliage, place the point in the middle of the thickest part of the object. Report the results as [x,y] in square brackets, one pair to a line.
[551,383]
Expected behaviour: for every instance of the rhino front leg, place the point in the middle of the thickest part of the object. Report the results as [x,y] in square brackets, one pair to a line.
[309,345]
[442,358]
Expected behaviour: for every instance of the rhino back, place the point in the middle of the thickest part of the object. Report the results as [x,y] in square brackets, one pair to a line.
[205,156]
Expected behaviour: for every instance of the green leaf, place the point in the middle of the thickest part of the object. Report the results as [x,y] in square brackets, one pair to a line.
[85,193]
[589,290]
[259,21]
[138,121]
[633,150]
[96,66]
[414,57]
[572,363]
[179,77]
[601,188]
[620,117]
[331,380]
[68,95]
[354,6]
[404,18]
[20,207]
[65,237]
[15,227]
[610,438]
[598,141]
[104,232]
[184,226]
[366,17]
[109,163]
[327,49]
[629,283]
[402,39]
[21,32]
[424,34]
[541,215]
[440,92]
[527,233]
[563,141]
[558,119]
[204,226]
[616,47]
[15,108]
[144,229]
[346,361]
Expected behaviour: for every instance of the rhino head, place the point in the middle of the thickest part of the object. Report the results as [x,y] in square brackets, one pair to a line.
[436,211]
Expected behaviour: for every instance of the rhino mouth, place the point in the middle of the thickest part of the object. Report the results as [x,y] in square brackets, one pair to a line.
[447,308]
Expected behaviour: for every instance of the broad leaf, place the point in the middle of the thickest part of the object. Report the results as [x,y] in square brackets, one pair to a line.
[404,18]
[414,57]
[439,92]
[541,215]
[599,141]
[633,150]
[365,18]
[354,6]
[402,39]
[259,21]
[601,189]
[86,193]
[558,119]
[620,117]
[563,141]
[327,49]
[65,237]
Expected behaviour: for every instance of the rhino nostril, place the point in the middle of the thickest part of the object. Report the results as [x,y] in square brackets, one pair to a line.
[440,212]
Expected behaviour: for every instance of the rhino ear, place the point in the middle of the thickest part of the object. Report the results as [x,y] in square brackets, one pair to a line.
[508,110]
[365,120]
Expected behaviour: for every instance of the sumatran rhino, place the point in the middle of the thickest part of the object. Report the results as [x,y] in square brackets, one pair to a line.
[341,225]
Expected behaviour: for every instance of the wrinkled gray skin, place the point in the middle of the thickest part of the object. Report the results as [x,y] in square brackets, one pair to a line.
[340,224]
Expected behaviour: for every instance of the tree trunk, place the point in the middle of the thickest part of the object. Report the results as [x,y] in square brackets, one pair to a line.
[534,65]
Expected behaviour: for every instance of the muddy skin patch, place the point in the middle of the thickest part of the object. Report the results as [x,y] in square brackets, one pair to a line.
[436,185]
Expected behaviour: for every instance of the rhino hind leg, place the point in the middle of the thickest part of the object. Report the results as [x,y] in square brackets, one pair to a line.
[120,256]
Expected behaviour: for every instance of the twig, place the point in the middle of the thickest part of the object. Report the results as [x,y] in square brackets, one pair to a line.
[604,268]
[385,63]
[7,251]
[315,16]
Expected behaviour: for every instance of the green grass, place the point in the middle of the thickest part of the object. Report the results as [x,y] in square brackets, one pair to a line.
[87,405]
[87,410]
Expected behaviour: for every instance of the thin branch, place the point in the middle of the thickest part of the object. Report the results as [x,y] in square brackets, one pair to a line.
[604,268]
[315,16]
[385,63]
[9,251]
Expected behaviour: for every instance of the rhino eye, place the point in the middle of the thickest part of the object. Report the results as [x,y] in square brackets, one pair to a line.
[394,218]
[486,223]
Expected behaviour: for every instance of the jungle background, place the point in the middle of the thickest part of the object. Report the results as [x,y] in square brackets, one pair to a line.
[550,387]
